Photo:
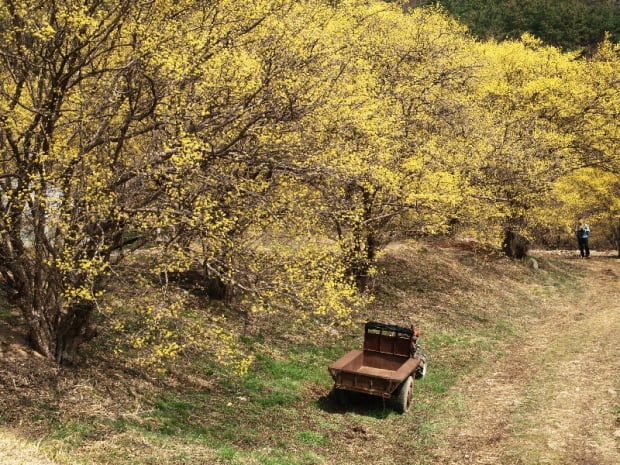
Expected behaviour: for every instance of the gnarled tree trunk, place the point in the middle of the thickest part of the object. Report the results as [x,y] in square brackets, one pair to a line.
[514,244]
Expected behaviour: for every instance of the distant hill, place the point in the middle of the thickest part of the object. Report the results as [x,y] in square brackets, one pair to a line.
[568,24]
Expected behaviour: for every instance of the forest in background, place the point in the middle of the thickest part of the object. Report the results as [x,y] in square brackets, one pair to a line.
[568,24]
[268,153]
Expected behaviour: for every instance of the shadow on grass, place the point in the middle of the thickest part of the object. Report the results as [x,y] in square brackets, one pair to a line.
[344,402]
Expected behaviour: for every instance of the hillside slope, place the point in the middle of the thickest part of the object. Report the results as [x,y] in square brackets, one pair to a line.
[524,368]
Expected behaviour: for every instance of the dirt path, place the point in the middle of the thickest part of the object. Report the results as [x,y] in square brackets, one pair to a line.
[555,397]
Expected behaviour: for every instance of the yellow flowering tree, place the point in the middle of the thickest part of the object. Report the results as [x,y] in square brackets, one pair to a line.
[74,96]
[592,189]
[386,158]
[100,114]
[268,151]
[158,122]
[524,93]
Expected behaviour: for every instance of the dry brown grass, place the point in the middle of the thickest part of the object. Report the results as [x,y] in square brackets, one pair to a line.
[14,451]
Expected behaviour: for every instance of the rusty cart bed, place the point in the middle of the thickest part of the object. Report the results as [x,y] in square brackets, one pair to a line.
[386,366]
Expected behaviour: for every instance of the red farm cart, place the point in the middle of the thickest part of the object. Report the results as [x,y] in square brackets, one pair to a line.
[386,367]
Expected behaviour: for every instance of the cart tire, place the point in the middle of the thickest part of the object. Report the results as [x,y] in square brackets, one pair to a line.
[404,395]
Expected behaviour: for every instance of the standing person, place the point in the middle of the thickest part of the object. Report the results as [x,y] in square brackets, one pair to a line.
[582,231]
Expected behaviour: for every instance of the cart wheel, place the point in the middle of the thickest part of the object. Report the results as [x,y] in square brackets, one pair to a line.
[404,395]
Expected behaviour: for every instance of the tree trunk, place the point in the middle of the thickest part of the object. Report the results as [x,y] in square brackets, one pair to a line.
[74,328]
[57,333]
[618,238]
[361,259]
[39,333]
[514,244]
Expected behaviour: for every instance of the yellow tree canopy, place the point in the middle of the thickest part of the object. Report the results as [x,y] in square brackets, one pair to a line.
[272,149]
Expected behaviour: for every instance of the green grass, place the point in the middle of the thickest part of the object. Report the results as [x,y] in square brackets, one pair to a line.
[311,438]
[227,454]
[245,417]
[281,382]
[172,416]
[72,434]
[559,280]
